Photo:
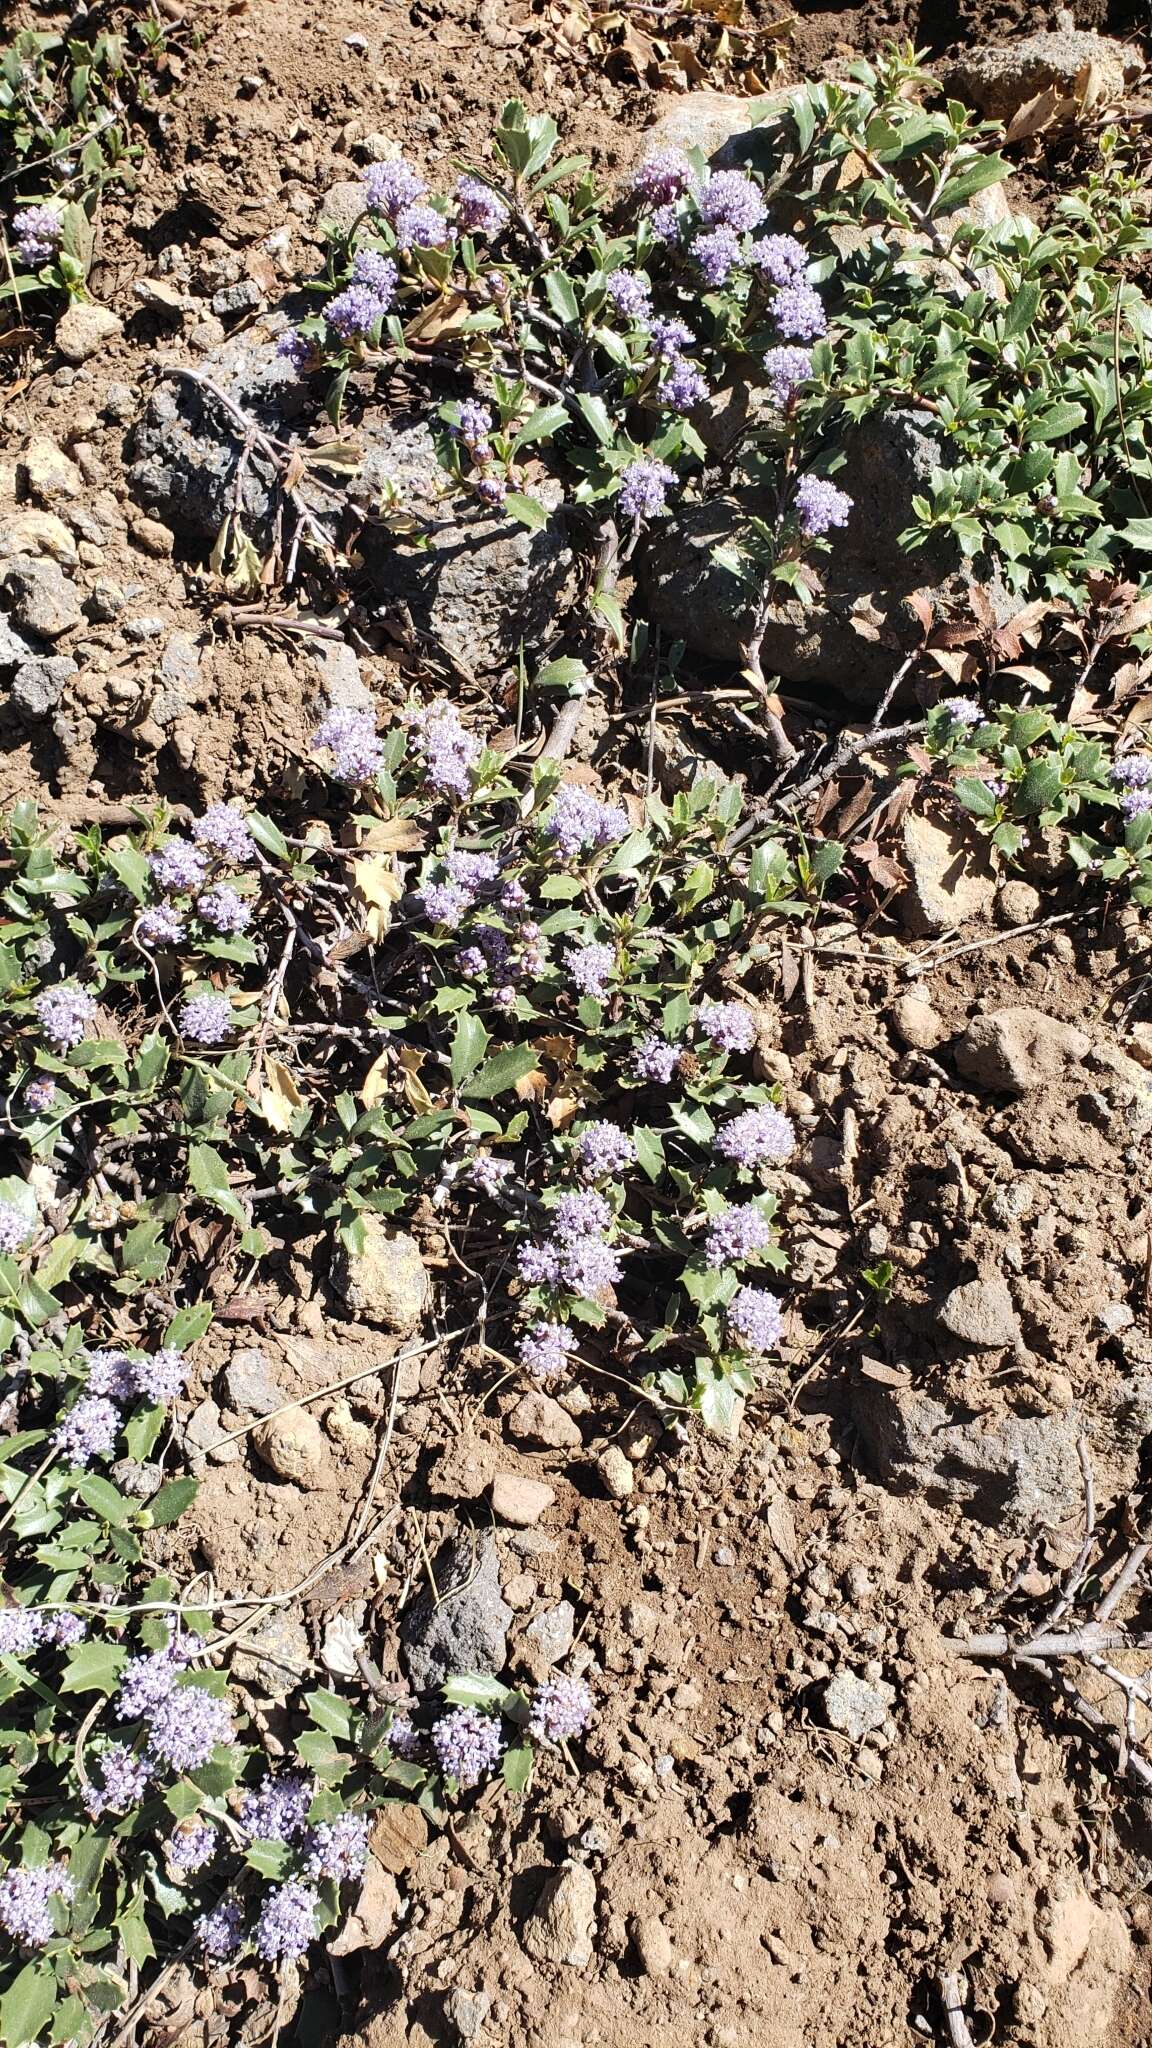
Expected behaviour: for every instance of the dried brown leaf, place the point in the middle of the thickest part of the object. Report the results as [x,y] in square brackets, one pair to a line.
[1036,115]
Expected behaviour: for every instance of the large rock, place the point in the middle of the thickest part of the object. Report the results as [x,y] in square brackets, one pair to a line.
[1014,1050]
[563,1923]
[42,599]
[1015,1470]
[951,877]
[466,1627]
[386,1282]
[1084,69]
[481,585]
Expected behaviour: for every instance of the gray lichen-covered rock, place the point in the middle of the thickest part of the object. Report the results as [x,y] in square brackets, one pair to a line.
[477,586]
[40,597]
[1001,77]
[466,1628]
[1017,1470]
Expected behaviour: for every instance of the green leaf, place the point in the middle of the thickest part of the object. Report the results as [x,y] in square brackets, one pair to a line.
[541,425]
[188,1325]
[1021,311]
[517,1767]
[130,868]
[470,1042]
[975,796]
[143,1428]
[134,1934]
[607,606]
[172,1500]
[596,414]
[561,674]
[27,2006]
[330,1712]
[150,1064]
[649,1151]
[268,836]
[500,1073]
[706,1287]
[1058,421]
[529,511]
[474,1689]
[106,1500]
[271,1859]
[208,1174]
[1138,534]
[183,1800]
[975,177]
[561,296]
[1039,785]
[93,1667]
[720,1406]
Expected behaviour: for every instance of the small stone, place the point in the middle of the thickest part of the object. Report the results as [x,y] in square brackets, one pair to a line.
[399,1836]
[537,1419]
[1014,1050]
[551,1635]
[43,599]
[343,683]
[916,1023]
[376,148]
[51,475]
[616,1473]
[151,535]
[465,1627]
[105,601]
[83,329]
[385,1282]
[855,1706]
[981,1313]
[141,1481]
[180,663]
[25,531]
[561,1926]
[374,1916]
[653,1944]
[952,878]
[341,1425]
[467,2012]
[1017,903]
[249,1388]
[39,684]
[342,205]
[120,403]
[203,1430]
[162,299]
[293,1445]
[235,299]
[520,1501]
[146,627]
[273,1656]
[1114,1317]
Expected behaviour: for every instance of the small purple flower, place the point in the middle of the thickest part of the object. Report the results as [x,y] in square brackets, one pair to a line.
[63,1014]
[337,1848]
[736,1234]
[449,752]
[21,1630]
[488,1174]
[1131,771]
[754,1317]
[467,1744]
[404,1739]
[662,177]
[221,1931]
[187,1726]
[444,903]
[758,1137]
[286,1927]
[644,488]
[178,866]
[684,387]
[630,293]
[145,1683]
[603,1148]
[391,187]
[191,1846]
[350,737]
[491,490]
[1135,803]
[580,1213]
[820,506]
[545,1350]
[718,251]
[124,1777]
[162,1378]
[730,1027]
[37,230]
[655,1060]
[591,967]
[781,258]
[421,227]
[295,349]
[224,909]
[354,311]
[88,1431]
[669,338]
[40,1094]
[963,710]
[474,871]
[580,821]
[161,926]
[378,274]
[729,199]
[589,1267]
[224,829]
[474,427]
[110,1373]
[786,369]
[478,209]
[277,1810]
[798,312]
[15,1227]
[666,223]
[24,1896]
[539,1264]
[64,1630]
[561,1710]
[206,1019]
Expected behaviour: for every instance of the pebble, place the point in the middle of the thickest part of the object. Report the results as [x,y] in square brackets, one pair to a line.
[249,1388]
[120,402]
[855,1706]
[538,1419]
[146,628]
[105,601]
[41,597]
[50,474]
[981,1312]
[293,1445]
[24,531]
[520,1501]
[550,1636]
[203,1431]
[385,1281]
[1017,903]
[616,1473]
[467,2011]
[916,1023]
[560,1928]
[653,1944]
[151,535]
[83,329]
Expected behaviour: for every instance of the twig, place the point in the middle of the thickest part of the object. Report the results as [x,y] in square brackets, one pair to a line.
[563,732]
[928,959]
[953,1988]
[1088,1641]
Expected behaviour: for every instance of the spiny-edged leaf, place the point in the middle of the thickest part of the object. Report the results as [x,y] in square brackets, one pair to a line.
[501,1072]
[106,1500]
[330,1712]
[268,836]
[975,796]
[93,1667]
[517,1767]
[183,1799]
[208,1175]
[528,511]
[27,2006]
[130,867]
[271,1859]
[1037,788]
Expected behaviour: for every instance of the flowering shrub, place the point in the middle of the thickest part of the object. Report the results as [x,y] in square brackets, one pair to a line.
[1015,770]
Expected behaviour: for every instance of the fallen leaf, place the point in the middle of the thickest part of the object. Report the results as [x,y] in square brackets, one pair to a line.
[379,887]
[279,1096]
[375,1085]
[1037,114]
[391,835]
[411,1060]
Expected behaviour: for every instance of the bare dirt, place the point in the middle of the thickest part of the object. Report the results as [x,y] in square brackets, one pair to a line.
[761,1876]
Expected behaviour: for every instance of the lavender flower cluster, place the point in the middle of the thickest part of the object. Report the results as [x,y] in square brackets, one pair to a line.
[23,1629]
[183,1723]
[1131,774]
[37,231]
[15,1228]
[24,1896]
[191,868]
[285,1926]
[91,1426]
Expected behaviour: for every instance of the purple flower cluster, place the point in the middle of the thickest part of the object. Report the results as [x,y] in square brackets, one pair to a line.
[643,490]
[178,866]
[474,428]
[224,909]
[390,187]
[630,293]
[717,251]
[277,1810]
[591,967]
[582,1265]
[185,1728]
[467,1744]
[338,1848]
[24,1896]
[404,1738]
[295,349]
[353,313]
[124,1777]
[729,199]
[191,1846]
[162,1377]
[206,1019]
[670,338]
[581,1212]
[736,1234]
[421,227]
[27,1628]
[602,1149]
[655,1060]
[545,1350]
[221,1931]
[350,737]
[561,1709]
[666,223]
[160,926]
[1135,803]
[15,1227]
[963,710]
[663,177]
[478,210]
[378,273]
[820,506]
[37,230]
[684,387]
[1130,771]
[730,1027]
[224,830]
[758,1137]
[580,822]
[63,1014]
[786,369]
[448,751]
[798,312]
[754,1317]
[780,258]
[88,1431]
[40,1094]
